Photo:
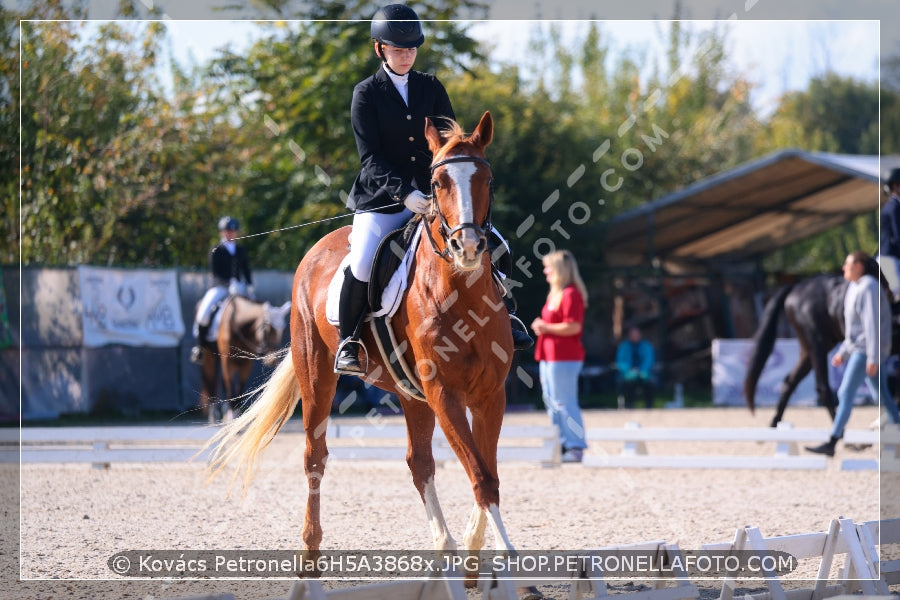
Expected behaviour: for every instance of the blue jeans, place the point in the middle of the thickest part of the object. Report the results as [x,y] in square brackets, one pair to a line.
[559,383]
[854,374]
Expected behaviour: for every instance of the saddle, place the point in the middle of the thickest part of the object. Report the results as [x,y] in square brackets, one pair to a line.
[388,258]
[215,319]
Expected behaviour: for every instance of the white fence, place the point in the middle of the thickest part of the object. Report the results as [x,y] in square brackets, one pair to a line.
[846,557]
[103,446]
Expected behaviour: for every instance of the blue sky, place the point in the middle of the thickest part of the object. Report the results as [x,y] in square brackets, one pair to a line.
[777,56]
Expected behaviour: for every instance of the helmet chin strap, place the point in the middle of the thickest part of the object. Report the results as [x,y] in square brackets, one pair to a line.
[380,53]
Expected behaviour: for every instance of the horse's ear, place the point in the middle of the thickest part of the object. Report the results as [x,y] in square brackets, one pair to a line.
[485,130]
[435,141]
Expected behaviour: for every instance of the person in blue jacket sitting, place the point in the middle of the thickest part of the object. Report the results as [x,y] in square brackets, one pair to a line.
[634,361]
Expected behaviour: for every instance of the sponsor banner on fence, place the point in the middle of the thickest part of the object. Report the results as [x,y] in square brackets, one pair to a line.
[730,359]
[133,307]
[6,338]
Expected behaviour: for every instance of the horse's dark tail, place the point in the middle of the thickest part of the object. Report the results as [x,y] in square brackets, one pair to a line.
[763,343]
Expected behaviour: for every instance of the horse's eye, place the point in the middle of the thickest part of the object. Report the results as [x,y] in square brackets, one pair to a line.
[436,184]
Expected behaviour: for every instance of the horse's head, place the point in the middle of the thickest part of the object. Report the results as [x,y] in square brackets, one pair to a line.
[274,320]
[462,185]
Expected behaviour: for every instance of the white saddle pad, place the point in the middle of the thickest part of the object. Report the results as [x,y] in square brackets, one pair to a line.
[212,334]
[891,270]
[393,292]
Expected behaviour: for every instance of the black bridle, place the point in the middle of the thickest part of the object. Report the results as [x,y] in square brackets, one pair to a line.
[444,229]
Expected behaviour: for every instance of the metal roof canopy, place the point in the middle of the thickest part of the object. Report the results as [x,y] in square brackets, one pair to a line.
[755,208]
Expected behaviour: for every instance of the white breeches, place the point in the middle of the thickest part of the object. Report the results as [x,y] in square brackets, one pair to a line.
[369,229]
[210,298]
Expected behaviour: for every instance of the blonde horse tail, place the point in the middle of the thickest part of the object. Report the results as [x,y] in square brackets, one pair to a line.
[241,440]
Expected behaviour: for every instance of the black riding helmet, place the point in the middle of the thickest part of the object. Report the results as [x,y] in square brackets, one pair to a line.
[893,179]
[397,25]
[227,222]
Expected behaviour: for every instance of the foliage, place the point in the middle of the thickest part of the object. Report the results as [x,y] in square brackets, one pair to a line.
[119,169]
[834,114]
[581,140]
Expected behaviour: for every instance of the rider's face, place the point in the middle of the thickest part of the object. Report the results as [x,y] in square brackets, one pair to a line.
[400,60]
[853,270]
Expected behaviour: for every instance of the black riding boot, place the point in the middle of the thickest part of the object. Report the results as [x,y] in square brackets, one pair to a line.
[501,260]
[197,351]
[827,448]
[521,339]
[353,302]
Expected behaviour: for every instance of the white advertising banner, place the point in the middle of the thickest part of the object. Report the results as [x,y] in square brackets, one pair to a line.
[730,360]
[132,307]
[729,367]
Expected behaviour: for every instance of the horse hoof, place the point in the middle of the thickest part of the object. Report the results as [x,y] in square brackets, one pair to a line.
[530,593]
[857,447]
[307,561]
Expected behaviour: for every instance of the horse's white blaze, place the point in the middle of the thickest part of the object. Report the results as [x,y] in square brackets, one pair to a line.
[440,533]
[462,173]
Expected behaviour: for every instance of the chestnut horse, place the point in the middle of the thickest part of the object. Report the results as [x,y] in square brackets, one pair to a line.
[455,331]
[247,330]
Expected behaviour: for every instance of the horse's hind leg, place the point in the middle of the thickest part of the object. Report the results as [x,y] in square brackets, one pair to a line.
[318,382]
[790,383]
[819,356]
[420,430]
[209,379]
[243,375]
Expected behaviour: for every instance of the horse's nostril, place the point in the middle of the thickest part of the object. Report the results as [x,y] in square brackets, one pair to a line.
[455,245]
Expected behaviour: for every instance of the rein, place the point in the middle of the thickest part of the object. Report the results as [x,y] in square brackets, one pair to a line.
[445,230]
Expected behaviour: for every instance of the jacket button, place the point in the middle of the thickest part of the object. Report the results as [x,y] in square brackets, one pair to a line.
[412,139]
[412,158]
[409,117]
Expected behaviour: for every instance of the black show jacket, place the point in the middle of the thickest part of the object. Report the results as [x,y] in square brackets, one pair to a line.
[390,138]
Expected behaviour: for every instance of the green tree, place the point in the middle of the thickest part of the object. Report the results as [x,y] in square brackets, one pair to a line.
[833,114]
[294,91]
[567,158]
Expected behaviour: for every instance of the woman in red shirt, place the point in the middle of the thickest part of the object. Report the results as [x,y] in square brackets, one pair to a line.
[559,351]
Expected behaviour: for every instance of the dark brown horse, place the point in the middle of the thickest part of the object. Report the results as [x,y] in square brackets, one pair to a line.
[455,333]
[248,330]
[815,309]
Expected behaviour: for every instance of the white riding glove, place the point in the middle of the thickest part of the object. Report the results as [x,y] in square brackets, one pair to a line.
[417,202]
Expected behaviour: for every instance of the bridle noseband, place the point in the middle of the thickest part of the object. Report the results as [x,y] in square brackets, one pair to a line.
[444,229]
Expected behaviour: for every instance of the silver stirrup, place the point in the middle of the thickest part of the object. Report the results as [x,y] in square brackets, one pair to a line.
[519,321]
[337,353]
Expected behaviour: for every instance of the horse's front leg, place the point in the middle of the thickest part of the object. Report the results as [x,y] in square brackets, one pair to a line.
[478,454]
[487,420]
[420,430]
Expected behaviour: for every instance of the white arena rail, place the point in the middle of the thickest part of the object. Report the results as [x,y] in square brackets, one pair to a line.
[102,446]
[787,441]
